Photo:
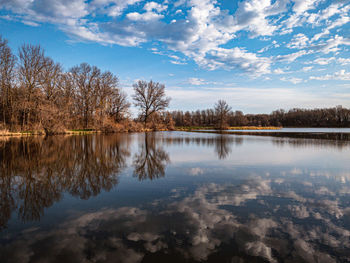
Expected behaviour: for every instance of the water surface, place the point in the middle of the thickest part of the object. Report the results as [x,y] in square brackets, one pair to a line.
[174,197]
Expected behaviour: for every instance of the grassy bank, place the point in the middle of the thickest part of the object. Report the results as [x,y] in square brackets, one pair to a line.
[5,133]
[190,128]
[93,131]
[31,133]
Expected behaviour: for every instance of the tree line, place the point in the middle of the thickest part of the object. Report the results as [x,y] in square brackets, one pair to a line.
[222,117]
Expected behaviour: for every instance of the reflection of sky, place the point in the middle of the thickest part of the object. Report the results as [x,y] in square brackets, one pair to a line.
[244,206]
[249,216]
[262,151]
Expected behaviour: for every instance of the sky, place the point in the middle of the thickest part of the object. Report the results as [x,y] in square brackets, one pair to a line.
[258,55]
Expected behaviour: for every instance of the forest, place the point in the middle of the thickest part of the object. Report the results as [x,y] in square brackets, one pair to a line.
[38,95]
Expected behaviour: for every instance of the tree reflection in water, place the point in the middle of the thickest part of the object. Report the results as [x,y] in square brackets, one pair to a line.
[222,147]
[151,161]
[35,171]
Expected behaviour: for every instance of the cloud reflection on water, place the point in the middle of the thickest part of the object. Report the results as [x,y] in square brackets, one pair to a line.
[207,223]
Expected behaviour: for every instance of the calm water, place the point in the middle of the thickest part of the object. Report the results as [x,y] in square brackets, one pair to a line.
[174,197]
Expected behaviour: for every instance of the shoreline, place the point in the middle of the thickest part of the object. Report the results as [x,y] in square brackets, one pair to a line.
[69,132]
[230,130]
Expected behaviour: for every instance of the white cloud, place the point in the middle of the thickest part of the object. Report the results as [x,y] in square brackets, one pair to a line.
[279,71]
[202,31]
[148,16]
[332,44]
[113,8]
[252,15]
[177,62]
[292,80]
[301,6]
[343,61]
[238,58]
[292,56]
[196,81]
[340,75]
[150,6]
[306,69]
[323,61]
[299,41]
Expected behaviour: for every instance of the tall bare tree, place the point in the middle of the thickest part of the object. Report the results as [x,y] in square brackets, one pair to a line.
[106,84]
[119,105]
[150,98]
[66,96]
[32,62]
[7,76]
[222,110]
[50,80]
[86,80]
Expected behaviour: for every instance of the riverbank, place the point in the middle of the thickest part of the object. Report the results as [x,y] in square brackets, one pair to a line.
[193,128]
[92,131]
[6,133]
[32,133]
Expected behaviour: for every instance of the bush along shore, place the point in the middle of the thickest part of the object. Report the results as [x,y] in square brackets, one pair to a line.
[124,127]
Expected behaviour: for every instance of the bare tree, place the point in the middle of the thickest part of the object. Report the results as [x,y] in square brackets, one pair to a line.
[150,98]
[119,106]
[7,75]
[222,110]
[106,84]
[86,80]
[67,100]
[50,80]
[32,62]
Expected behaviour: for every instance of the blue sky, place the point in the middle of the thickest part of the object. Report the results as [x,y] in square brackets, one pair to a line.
[258,55]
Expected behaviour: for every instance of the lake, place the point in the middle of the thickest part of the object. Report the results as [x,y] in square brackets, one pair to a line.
[175,197]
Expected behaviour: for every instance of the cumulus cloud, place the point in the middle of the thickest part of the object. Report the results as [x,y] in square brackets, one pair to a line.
[340,75]
[196,81]
[301,6]
[113,8]
[253,15]
[332,44]
[202,30]
[292,56]
[148,16]
[299,41]
[238,58]
[150,6]
[292,80]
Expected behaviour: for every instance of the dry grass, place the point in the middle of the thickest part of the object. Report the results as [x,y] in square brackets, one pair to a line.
[189,128]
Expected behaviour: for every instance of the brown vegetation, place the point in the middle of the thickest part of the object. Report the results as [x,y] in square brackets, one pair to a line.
[38,96]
